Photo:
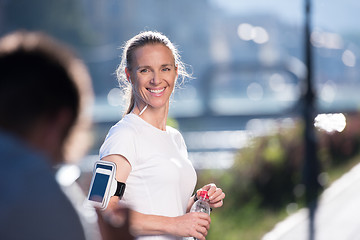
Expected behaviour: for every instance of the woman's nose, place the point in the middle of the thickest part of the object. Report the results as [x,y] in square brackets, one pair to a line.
[156,80]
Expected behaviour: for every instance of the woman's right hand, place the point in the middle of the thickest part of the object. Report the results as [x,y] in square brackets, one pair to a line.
[194,224]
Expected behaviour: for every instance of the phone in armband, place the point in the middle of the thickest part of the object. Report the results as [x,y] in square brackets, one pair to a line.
[104,185]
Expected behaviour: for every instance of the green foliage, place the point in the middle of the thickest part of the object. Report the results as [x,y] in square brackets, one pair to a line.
[266,177]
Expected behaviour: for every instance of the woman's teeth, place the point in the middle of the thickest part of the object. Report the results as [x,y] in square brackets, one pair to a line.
[157,90]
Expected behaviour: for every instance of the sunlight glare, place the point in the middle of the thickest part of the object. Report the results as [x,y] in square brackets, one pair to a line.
[330,122]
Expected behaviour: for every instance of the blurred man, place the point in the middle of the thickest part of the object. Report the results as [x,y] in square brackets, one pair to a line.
[39,105]
[44,95]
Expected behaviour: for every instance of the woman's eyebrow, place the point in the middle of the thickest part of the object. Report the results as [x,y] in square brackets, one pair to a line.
[145,66]
[163,65]
[168,65]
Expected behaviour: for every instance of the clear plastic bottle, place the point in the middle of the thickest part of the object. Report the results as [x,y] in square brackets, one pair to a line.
[201,205]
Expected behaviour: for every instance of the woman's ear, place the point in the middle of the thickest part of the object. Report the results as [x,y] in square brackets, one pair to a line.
[127,72]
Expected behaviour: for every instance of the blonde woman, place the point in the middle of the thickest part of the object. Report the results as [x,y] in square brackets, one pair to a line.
[152,157]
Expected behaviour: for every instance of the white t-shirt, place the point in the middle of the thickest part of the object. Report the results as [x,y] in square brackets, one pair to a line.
[162,178]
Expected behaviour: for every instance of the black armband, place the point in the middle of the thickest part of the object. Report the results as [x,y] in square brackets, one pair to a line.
[120,189]
[195,197]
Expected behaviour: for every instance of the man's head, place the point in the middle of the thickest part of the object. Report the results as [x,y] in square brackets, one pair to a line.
[40,98]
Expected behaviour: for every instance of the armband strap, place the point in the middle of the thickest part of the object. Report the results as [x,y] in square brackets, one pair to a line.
[195,197]
[120,189]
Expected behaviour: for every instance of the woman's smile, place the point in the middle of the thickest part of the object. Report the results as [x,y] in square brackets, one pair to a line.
[156,91]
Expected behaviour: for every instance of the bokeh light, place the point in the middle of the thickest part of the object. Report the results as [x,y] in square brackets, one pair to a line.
[348,58]
[330,122]
[249,32]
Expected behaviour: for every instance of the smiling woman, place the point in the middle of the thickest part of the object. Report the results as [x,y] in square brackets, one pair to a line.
[151,157]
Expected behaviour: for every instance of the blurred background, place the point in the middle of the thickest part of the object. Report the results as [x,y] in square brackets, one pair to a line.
[241,115]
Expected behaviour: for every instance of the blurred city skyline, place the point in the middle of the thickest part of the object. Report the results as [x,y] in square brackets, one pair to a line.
[257,46]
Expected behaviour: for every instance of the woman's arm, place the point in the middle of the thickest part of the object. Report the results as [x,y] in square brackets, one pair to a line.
[123,167]
[190,224]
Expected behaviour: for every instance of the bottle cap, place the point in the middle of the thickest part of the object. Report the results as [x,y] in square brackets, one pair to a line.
[203,194]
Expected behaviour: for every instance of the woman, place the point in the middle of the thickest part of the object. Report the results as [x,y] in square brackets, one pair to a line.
[151,157]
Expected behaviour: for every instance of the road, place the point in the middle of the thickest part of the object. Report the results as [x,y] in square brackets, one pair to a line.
[337,215]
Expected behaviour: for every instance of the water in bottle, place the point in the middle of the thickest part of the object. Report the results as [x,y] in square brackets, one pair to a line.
[201,205]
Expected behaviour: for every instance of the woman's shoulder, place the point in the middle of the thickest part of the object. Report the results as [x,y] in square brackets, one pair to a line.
[122,135]
[172,130]
[175,134]
[123,127]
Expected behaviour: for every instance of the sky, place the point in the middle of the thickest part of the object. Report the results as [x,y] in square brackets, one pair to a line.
[332,15]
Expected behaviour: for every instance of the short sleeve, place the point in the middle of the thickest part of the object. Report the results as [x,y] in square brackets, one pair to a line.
[121,141]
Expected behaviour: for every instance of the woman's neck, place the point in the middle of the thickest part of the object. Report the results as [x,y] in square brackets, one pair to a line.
[155,116]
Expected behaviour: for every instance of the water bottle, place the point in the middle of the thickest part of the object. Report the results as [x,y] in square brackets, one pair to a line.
[201,205]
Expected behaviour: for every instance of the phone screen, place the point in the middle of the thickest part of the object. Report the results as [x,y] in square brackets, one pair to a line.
[99,187]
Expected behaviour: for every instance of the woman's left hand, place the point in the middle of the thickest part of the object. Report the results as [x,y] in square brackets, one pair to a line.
[216,195]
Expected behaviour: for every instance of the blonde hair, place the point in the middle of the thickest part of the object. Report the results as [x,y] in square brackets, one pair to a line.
[140,40]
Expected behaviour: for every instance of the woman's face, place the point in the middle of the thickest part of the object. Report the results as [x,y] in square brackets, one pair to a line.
[153,75]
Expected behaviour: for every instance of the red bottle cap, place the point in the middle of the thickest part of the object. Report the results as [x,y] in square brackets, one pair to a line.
[203,194]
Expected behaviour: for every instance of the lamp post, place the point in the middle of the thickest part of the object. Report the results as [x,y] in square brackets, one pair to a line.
[311,167]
